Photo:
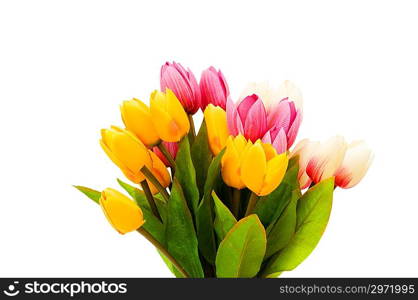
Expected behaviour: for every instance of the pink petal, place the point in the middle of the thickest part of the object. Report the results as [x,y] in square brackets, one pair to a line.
[279,116]
[255,124]
[280,142]
[231,117]
[293,131]
[213,88]
[245,105]
[266,138]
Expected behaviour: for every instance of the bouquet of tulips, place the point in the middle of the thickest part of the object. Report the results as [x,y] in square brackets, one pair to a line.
[231,199]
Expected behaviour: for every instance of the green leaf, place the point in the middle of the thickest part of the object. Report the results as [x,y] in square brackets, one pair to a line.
[280,233]
[186,174]
[152,224]
[241,253]
[224,219]
[201,157]
[180,234]
[270,207]
[172,268]
[313,211]
[204,216]
[92,194]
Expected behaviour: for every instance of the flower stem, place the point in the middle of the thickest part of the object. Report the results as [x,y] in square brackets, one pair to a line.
[148,174]
[251,204]
[162,249]
[150,198]
[192,132]
[167,155]
[236,195]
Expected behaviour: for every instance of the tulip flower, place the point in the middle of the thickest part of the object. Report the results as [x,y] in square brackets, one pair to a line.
[168,116]
[126,151]
[184,85]
[214,88]
[249,118]
[304,150]
[356,162]
[326,159]
[231,161]
[215,118]
[121,212]
[137,119]
[172,148]
[159,170]
[262,169]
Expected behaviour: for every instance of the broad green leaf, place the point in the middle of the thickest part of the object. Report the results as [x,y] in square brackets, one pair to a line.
[313,211]
[180,233]
[152,224]
[172,268]
[201,157]
[92,194]
[186,174]
[280,233]
[204,216]
[224,219]
[241,253]
[270,207]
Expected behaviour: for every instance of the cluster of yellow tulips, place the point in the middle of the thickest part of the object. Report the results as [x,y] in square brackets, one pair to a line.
[227,200]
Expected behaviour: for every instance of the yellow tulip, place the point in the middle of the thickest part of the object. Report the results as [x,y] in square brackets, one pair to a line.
[215,118]
[231,161]
[137,118]
[159,170]
[168,116]
[262,169]
[126,151]
[121,212]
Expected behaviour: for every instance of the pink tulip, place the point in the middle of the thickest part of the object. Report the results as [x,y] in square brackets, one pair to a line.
[248,118]
[326,159]
[304,149]
[172,149]
[213,88]
[356,162]
[183,84]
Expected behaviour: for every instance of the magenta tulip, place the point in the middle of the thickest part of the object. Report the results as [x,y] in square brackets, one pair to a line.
[183,84]
[172,148]
[213,88]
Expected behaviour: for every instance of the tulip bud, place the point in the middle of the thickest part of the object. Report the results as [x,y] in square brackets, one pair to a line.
[168,116]
[137,118]
[184,85]
[215,118]
[304,150]
[231,161]
[126,151]
[159,170]
[262,169]
[214,88]
[172,148]
[327,158]
[357,161]
[121,212]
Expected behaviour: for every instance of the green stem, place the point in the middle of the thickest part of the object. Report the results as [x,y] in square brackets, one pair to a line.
[192,132]
[163,250]
[251,204]
[148,174]
[150,198]
[167,155]
[236,195]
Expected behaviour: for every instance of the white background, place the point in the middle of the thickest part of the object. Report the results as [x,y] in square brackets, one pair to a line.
[66,65]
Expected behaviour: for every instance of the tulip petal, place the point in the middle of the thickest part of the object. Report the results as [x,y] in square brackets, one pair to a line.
[245,105]
[293,130]
[216,123]
[232,116]
[276,168]
[280,142]
[253,167]
[279,116]
[255,121]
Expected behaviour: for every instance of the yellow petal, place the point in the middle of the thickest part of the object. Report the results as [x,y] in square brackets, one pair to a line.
[276,168]
[218,133]
[253,167]
[159,170]
[231,167]
[177,112]
[121,212]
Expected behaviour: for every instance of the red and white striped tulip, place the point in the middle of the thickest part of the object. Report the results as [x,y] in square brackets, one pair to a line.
[354,167]
[304,150]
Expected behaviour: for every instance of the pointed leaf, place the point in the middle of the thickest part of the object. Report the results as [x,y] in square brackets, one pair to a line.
[201,157]
[313,211]
[180,233]
[92,194]
[224,219]
[241,253]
